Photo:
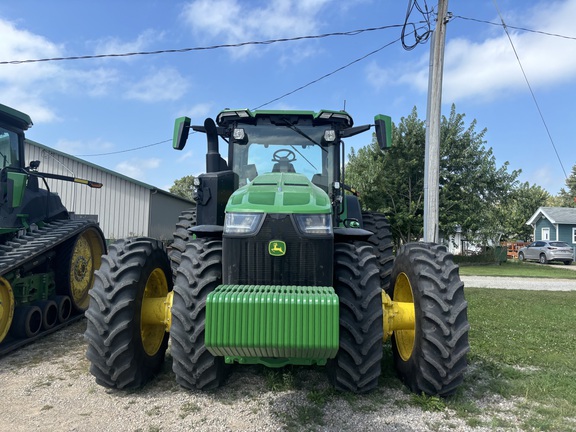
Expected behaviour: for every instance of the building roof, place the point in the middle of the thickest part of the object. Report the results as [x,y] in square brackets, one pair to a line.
[153,189]
[556,215]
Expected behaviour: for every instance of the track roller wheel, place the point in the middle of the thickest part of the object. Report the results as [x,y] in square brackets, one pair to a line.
[382,242]
[357,366]
[64,308]
[431,356]
[49,311]
[128,316]
[198,275]
[78,258]
[27,321]
[6,307]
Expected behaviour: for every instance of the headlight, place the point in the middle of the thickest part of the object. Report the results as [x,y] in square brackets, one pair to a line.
[242,223]
[314,223]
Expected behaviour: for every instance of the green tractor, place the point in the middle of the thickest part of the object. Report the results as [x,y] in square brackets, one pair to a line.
[278,265]
[47,258]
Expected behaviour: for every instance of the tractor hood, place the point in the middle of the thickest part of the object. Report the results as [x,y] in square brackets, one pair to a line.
[280,193]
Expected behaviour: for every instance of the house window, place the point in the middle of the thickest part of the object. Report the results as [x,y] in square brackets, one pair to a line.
[545,233]
[574,235]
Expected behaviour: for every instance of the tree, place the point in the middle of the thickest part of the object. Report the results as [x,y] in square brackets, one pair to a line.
[518,208]
[567,198]
[471,185]
[184,187]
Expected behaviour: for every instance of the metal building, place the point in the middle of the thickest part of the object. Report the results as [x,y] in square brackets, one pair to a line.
[125,207]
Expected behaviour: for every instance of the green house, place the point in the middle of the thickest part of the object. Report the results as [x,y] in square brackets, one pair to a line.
[554,223]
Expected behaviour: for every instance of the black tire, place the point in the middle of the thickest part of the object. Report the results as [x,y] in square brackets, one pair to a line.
[125,352]
[181,236]
[568,262]
[198,275]
[64,308]
[27,321]
[520,256]
[542,259]
[382,242]
[430,359]
[78,258]
[357,365]
[49,310]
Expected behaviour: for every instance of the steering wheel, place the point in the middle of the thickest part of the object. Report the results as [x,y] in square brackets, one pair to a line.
[284,155]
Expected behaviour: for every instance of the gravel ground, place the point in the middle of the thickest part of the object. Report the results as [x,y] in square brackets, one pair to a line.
[46,386]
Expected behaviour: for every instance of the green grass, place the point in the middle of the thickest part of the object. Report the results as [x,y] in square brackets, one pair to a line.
[518,269]
[522,346]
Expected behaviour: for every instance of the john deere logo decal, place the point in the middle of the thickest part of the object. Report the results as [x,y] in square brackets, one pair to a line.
[277,248]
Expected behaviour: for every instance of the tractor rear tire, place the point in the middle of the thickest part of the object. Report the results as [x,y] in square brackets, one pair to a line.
[77,260]
[181,236]
[430,359]
[382,242]
[124,351]
[198,275]
[7,304]
[357,365]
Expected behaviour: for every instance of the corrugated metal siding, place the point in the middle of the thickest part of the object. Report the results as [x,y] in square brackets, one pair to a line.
[164,212]
[122,206]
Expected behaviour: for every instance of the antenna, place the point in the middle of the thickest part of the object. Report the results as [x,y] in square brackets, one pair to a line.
[344,104]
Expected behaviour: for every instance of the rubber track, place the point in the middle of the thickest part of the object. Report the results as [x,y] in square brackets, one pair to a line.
[21,250]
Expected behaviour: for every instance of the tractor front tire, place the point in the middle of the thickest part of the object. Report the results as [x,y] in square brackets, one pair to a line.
[382,242]
[431,358]
[181,236]
[357,365]
[124,350]
[199,273]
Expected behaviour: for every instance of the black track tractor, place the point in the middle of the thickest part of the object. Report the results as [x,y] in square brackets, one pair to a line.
[278,265]
[47,258]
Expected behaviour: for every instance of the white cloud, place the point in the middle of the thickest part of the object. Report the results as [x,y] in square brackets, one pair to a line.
[165,84]
[137,168]
[230,22]
[111,45]
[488,69]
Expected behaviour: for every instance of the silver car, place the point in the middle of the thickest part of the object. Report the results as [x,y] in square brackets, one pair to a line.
[547,250]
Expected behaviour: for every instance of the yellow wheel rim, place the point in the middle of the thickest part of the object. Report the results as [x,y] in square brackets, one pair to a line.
[6,307]
[404,338]
[86,258]
[152,333]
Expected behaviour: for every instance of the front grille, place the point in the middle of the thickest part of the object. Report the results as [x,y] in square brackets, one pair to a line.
[308,260]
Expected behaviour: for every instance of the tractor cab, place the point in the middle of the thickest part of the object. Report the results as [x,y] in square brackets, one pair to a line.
[307,144]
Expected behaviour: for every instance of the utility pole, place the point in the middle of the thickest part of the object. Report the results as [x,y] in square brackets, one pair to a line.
[433,113]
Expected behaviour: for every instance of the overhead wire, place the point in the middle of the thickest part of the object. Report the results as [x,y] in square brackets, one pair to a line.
[419,38]
[530,88]
[203,48]
[285,94]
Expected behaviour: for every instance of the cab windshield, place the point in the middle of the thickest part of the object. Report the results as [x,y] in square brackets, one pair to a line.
[8,148]
[279,148]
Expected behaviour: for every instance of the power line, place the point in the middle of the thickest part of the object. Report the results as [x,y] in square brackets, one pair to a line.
[515,28]
[125,151]
[279,97]
[206,48]
[530,88]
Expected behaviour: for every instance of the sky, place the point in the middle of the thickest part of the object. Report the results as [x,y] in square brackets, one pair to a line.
[118,111]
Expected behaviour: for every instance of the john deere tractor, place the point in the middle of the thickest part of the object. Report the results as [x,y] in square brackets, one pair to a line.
[278,265]
[47,259]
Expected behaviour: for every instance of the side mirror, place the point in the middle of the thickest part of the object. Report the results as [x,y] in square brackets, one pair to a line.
[383,125]
[34,164]
[181,131]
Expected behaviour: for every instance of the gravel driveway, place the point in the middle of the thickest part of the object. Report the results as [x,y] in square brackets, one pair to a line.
[519,283]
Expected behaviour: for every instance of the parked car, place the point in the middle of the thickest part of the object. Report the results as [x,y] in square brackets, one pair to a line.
[547,250]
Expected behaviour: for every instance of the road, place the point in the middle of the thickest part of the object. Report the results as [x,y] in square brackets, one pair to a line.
[534,284]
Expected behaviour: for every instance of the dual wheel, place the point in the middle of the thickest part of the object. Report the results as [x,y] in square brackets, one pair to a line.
[126,346]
